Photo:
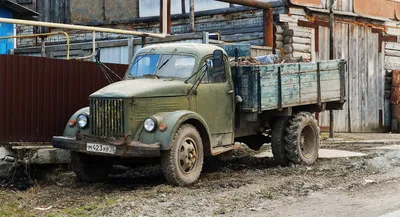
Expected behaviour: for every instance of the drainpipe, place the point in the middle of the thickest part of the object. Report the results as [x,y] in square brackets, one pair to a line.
[331,56]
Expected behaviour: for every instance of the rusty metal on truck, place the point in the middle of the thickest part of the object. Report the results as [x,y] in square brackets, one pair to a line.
[181,102]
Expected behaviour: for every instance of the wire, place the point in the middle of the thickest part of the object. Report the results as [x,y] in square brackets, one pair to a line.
[103,67]
[108,77]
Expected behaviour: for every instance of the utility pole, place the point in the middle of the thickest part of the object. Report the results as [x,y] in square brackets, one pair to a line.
[191,15]
[331,56]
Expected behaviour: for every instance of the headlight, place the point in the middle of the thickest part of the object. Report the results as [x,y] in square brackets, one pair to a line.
[83,121]
[150,124]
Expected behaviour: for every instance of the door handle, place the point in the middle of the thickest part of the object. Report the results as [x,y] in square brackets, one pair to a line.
[230,92]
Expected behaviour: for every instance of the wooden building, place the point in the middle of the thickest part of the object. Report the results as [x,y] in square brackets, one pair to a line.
[367,37]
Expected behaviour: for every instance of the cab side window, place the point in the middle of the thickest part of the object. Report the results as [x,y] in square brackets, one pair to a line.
[215,75]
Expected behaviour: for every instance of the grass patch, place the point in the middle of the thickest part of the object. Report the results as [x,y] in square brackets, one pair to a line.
[100,208]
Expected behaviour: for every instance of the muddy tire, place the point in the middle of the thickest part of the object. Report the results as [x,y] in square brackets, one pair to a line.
[302,139]
[182,164]
[88,168]
[278,143]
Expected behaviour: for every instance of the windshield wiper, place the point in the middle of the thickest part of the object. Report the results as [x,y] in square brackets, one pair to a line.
[165,63]
[194,74]
[199,79]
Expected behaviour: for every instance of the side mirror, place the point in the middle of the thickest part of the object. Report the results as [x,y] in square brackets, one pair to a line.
[218,59]
[97,55]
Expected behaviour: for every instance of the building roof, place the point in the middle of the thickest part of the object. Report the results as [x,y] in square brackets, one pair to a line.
[19,10]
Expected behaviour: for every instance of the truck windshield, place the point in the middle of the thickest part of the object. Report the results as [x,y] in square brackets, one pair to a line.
[162,65]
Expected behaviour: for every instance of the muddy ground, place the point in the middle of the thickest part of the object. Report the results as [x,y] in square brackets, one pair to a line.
[245,186]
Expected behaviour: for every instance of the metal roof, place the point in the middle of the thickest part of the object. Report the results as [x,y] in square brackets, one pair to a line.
[200,50]
[19,10]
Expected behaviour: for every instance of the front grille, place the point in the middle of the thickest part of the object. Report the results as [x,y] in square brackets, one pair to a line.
[107,117]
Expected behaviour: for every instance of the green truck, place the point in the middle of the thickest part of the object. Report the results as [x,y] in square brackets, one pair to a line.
[181,102]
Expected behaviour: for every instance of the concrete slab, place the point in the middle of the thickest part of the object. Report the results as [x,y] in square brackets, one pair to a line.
[368,142]
[264,154]
[323,153]
[332,153]
[388,147]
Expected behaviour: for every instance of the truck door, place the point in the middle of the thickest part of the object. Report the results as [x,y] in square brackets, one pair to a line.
[215,103]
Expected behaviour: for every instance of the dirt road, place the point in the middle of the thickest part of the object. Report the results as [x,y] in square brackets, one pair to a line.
[246,186]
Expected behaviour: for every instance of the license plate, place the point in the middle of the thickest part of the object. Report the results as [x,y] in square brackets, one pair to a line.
[108,149]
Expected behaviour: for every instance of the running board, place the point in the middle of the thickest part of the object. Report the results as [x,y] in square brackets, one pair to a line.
[220,150]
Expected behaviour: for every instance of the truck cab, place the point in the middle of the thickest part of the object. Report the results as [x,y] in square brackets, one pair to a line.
[181,102]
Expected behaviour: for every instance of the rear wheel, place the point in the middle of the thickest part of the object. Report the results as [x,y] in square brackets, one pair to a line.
[182,164]
[90,168]
[302,139]
[278,143]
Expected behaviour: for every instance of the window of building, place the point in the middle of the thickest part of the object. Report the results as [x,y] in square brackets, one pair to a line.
[147,7]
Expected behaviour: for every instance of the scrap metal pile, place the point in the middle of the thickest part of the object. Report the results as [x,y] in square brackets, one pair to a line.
[264,60]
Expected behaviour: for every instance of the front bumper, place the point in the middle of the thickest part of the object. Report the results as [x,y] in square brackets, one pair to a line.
[131,149]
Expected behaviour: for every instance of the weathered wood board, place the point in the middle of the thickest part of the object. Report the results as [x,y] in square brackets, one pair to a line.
[295,83]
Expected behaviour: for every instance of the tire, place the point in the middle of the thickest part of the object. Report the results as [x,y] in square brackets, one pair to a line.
[278,143]
[88,168]
[183,163]
[302,139]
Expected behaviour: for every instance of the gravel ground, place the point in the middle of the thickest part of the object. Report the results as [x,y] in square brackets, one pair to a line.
[241,187]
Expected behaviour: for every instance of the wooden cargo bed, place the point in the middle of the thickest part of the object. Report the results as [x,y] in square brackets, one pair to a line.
[278,86]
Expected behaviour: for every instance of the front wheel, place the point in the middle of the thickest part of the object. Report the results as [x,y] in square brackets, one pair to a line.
[302,139]
[182,164]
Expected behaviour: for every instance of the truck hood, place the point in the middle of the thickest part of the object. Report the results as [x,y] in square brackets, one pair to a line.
[143,88]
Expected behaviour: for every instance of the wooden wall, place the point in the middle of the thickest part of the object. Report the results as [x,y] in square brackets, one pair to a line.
[365,108]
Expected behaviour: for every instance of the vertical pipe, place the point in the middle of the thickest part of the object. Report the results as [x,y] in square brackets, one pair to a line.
[15,33]
[192,15]
[165,16]
[143,41]
[43,50]
[183,4]
[161,15]
[268,27]
[168,17]
[331,38]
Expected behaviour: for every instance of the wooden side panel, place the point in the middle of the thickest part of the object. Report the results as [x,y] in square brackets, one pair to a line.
[269,87]
[299,84]
[247,86]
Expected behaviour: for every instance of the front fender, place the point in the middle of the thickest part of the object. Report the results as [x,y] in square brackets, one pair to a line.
[70,132]
[173,120]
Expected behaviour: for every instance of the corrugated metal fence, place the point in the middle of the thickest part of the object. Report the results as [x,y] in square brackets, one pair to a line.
[38,95]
